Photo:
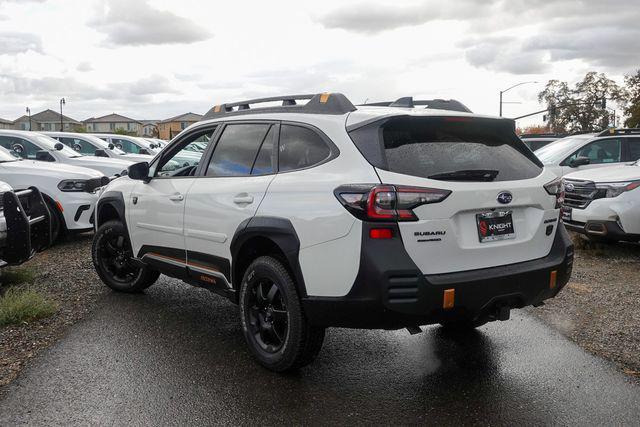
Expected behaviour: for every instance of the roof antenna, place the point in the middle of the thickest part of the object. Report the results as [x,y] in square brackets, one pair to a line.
[404,102]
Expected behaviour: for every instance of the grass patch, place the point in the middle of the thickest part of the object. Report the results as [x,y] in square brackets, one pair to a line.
[19,305]
[16,276]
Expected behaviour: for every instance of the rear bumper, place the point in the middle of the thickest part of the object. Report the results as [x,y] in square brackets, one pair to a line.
[390,291]
[610,230]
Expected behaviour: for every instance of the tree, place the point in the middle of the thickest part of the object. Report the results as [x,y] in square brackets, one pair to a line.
[533,129]
[579,108]
[122,131]
[632,100]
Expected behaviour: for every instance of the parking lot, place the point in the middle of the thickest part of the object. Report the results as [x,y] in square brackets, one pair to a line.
[175,355]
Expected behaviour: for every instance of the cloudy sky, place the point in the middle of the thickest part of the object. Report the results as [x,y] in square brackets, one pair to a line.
[151,59]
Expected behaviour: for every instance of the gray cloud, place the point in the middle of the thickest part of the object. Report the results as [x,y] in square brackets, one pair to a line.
[12,43]
[85,66]
[137,23]
[505,54]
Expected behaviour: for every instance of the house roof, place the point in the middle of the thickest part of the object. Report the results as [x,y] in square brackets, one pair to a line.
[111,118]
[48,116]
[149,122]
[6,122]
[186,117]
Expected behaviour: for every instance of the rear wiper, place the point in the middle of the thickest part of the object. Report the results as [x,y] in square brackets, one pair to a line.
[467,175]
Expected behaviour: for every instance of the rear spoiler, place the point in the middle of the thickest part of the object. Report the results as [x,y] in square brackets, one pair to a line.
[28,225]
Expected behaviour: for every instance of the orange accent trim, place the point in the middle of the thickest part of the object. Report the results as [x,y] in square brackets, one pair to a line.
[166,257]
[324,97]
[193,264]
[553,279]
[448,298]
[202,267]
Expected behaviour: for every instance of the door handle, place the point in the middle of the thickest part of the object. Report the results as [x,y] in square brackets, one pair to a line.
[243,199]
[176,197]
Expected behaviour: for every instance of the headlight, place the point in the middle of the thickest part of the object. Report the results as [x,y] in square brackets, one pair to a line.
[73,185]
[614,189]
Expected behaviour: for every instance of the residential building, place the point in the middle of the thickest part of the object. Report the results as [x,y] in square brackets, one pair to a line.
[6,124]
[150,128]
[47,120]
[112,123]
[169,128]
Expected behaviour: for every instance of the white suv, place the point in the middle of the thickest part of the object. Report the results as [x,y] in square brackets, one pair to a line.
[89,145]
[327,214]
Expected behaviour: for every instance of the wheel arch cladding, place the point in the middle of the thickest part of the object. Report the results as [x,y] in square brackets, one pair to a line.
[109,207]
[264,235]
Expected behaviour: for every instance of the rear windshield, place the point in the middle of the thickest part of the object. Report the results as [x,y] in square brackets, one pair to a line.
[447,148]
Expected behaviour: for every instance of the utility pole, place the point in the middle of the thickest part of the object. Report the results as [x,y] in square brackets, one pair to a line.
[508,89]
[62,102]
[29,114]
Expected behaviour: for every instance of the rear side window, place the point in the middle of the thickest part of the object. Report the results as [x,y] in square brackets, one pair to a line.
[633,146]
[300,148]
[447,149]
[237,149]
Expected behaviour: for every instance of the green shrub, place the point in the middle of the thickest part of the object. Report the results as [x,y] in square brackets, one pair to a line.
[16,276]
[19,305]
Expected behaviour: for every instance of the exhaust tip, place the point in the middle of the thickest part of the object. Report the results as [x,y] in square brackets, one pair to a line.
[596,228]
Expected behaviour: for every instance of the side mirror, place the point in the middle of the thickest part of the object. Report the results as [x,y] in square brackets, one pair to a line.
[144,151]
[101,153]
[44,156]
[139,171]
[579,161]
[59,146]
[111,146]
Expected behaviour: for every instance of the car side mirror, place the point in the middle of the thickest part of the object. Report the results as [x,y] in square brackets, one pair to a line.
[59,146]
[144,151]
[44,156]
[139,171]
[579,161]
[111,146]
[101,153]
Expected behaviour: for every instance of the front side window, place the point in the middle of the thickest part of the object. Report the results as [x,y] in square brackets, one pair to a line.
[125,145]
[23,148]
[300,148]
[79,145]
[237,149]
[183,160]
[601,151]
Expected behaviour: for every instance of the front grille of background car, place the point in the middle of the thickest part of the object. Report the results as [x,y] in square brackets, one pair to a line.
[579,194]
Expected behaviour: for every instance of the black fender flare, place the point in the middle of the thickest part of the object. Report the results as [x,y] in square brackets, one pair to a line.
[281,232]
[115,199]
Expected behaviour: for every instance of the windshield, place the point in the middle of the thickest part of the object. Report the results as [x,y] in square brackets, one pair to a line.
[48,143]
[555,152]
[101,143]
[8,156]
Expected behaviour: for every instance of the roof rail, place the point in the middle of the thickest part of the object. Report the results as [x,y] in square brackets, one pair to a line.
[321,103]
[621,131]
[436,104]
[543,135]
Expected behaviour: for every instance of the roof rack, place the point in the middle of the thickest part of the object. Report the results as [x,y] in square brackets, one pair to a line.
[437,104]
[321,103]
[621,131]
[543,135]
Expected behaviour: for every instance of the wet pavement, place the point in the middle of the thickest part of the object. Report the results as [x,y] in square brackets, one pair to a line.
[175,355]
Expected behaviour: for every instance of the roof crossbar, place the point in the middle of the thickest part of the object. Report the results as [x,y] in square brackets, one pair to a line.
[436,104]
[620,131]
[321,103]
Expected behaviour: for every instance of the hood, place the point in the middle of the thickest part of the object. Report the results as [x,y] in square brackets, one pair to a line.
[136,158]
[618,173]
[107,165]
[56,170]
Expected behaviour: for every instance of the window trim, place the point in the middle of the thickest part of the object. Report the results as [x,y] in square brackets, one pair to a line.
[334,151]
[202,171]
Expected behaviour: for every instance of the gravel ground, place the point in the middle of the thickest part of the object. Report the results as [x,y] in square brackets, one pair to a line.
[65,274]
[599,309]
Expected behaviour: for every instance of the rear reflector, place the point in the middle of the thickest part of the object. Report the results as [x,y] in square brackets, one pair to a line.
[553,279]
[381,233]
[59,205]
[448,298]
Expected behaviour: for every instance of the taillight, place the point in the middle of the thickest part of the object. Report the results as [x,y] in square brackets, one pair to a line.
[556,188]
[387,202]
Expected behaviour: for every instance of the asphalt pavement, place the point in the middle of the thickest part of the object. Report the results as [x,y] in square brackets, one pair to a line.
[175,356]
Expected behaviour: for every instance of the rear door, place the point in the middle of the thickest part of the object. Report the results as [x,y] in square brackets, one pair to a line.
[498,208]
[231,185]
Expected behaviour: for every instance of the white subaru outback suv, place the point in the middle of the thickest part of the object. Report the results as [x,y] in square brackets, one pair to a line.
[327,214]
[604,203]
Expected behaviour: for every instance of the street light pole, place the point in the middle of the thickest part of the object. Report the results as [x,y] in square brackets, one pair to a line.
[29,114]
[62,102]
[508,89]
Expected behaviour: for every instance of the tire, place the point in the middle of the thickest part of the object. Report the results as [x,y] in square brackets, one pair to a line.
[58,229]
[112,258]
[274,326]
